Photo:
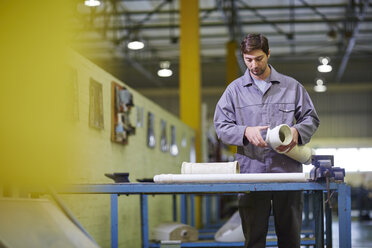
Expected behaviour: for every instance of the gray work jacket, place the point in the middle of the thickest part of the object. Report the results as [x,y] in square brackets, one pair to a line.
[243,104]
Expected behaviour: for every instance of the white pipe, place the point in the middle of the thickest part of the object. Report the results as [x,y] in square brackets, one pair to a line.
[210,168]
[282,135]
[231,178]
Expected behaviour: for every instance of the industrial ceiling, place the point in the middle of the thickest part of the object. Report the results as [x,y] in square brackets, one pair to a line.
[299,32]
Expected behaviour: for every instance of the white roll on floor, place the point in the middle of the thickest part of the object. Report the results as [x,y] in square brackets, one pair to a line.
[175,231]
[210,168]
[230,178]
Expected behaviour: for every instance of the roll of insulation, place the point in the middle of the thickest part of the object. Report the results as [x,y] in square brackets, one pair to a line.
[175,231]
[282,135]
[230,178]
[210,168]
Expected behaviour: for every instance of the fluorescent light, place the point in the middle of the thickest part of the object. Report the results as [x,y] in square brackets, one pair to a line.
[165,73]
[320,87]
[324,68]
[92,3]
[136,45]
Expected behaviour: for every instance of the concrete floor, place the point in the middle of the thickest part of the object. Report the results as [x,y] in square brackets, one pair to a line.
[361,233]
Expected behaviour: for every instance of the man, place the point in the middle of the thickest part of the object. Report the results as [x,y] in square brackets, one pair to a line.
[260,99]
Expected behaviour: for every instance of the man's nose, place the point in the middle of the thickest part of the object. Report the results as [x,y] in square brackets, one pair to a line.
[254,64]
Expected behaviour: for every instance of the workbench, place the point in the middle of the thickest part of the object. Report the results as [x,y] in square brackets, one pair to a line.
[145,189]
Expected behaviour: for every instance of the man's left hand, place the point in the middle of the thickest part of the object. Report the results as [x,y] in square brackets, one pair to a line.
[293,143]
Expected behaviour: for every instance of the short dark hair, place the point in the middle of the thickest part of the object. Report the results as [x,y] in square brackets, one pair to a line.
[254,41]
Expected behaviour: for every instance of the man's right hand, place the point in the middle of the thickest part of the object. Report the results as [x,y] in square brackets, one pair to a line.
[253,134]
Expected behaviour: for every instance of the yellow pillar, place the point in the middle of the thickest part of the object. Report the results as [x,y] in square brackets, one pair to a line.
[232,70]
[190,107]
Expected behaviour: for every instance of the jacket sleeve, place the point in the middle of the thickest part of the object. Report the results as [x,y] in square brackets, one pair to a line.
[307,120]
[225,121]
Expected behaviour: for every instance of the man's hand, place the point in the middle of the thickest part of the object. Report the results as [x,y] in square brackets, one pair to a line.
[253,134]
[293,143]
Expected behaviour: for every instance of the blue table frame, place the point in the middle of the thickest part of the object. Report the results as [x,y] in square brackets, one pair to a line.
[143,189]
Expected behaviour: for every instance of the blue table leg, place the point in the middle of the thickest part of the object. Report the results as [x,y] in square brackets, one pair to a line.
[144,221]
[192,210]
[344,216]
[218,210]
[183,209]
[208,210]
[318,218]
[174,201]
[306,209]
[114,221]
[328,213]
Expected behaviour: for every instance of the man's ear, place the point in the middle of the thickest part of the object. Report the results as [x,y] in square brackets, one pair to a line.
[268,54]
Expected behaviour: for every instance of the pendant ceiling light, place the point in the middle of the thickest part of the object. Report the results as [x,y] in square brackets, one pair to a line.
[165,71]
[135,43]
[324,67]
[92,3]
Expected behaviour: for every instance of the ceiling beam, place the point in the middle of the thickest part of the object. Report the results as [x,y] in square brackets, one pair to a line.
[222,35]
[221,24]
[351,42]
[271,7]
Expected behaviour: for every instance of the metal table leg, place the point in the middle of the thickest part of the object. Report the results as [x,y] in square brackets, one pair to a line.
[328,213]
[183,209]
[192,210]
[144,221]
[344,216]
[174,206]
[114,221]
[318,218]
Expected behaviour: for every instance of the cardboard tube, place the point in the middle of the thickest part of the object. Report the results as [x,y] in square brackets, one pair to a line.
[210,168]
[230,178]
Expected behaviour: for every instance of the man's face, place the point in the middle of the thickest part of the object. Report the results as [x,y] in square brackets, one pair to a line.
[256,61]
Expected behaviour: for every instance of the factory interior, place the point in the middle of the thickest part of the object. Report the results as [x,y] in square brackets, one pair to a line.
[101,100]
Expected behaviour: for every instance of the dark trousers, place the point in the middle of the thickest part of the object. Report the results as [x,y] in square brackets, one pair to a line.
[255,208]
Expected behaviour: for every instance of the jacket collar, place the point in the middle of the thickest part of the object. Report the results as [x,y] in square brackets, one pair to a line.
[274,77]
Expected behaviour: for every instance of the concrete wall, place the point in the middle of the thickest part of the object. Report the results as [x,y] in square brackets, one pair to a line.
[96,155]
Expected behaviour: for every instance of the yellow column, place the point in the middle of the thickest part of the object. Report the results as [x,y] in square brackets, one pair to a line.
[232,70]
[190,107]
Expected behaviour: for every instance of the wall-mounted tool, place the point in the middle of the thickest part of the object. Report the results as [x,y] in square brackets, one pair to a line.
[121,105]
[173,146]
[120,134]
[150,130]
[163,136]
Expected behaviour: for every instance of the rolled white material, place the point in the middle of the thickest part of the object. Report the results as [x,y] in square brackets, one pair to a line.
[282,135]
[210,168]
[231,178]
[174,231]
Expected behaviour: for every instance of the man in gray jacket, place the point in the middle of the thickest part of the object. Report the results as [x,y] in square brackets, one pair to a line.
[260,99]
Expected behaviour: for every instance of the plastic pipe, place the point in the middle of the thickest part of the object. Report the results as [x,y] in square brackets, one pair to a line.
[282,135]
[210,168]
[220,178]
